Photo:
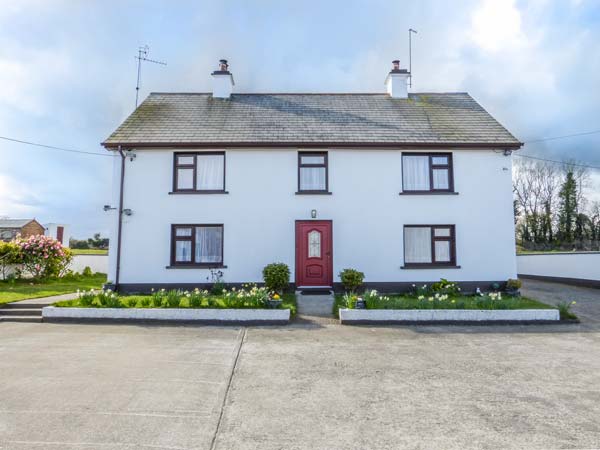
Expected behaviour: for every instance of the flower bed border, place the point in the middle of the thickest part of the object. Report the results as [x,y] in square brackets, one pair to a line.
[481,316]
[200,315]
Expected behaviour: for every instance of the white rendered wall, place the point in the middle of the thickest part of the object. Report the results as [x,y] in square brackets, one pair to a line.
[98,263]
[368,215]
[583,266]
[51,229]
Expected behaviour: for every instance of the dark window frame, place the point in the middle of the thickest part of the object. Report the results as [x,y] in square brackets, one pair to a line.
[432,190]
[194,167]
[451,239]
[325,165]
[192,239]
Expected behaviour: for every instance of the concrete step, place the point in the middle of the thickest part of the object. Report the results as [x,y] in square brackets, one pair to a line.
[20,312]
[33,319]
[22,305]
[315,305]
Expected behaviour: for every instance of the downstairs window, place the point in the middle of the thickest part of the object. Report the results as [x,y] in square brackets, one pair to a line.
[197,245]
[429,245]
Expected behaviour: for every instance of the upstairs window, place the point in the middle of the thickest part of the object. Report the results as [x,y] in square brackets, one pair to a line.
[429,245]
[199,172]
[427,172]
[312,173]
[197,245]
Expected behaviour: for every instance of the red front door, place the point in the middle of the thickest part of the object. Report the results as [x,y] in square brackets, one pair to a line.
[60,231]
[314,253]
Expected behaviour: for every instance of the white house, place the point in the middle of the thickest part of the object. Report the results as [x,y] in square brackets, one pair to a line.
[58,231]
[406,187]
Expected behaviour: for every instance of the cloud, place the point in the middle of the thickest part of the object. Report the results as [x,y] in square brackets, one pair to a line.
[18,199]
[496,25]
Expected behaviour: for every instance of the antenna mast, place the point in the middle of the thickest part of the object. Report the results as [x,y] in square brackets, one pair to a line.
[410,32]
[142,56]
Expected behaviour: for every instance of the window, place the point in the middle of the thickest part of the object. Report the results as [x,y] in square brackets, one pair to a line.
[427,172]
[312,173]
[197,245]
[429,245]
[199,172]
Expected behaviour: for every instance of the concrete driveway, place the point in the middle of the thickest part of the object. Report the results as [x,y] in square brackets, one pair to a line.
[305,386]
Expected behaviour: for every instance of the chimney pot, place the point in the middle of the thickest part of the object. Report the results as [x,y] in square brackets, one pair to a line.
[223,66]
[396,64]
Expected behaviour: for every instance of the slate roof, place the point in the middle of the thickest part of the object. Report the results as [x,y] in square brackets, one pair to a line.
[311,119]
[14,223]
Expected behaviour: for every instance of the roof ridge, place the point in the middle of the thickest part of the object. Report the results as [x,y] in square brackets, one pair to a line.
[308,93]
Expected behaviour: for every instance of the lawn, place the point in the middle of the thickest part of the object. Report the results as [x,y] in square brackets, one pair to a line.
[24,289]
[89,251]
[146,301]
[458,302]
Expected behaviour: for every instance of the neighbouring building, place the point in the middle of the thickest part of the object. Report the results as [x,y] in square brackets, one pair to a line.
[10,228]
[58,231]
[406,187]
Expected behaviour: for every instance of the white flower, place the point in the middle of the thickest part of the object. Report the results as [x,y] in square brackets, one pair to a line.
[420,297]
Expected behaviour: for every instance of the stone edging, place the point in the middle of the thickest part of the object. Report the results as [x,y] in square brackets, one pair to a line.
[348,316]
[257,316]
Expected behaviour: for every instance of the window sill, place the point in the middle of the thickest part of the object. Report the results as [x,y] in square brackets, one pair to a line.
[197,192]
[198,266]
[428,193]
[313,193]
[429,266]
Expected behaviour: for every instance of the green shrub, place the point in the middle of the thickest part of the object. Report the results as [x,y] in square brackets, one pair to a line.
[173,297]
[86,298]
[446,287]
[157,298]
[43,256]
[513,284]
[564,309]
[277,277]
[87,271]
[146,302]
[195,298]
[352,279]
[217,288]
[131,302]
[10,254]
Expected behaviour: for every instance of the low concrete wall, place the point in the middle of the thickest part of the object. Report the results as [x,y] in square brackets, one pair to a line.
[446,315]
[264,316]
[578,268]
[98,263]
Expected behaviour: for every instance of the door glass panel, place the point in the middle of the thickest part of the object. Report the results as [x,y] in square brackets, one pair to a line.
[314,244]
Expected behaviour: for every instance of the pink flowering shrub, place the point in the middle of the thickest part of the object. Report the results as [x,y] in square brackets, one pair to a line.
[43,256]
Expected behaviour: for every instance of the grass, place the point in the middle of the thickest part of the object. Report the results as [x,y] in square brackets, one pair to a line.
[145,301]
[89,251]
[24,289]
[460,302]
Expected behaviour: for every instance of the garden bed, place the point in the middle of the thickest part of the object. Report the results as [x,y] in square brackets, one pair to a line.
[248,305]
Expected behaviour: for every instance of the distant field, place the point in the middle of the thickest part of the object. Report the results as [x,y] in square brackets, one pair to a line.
[89,251]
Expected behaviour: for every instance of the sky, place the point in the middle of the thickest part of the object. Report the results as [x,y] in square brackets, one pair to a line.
[68,74]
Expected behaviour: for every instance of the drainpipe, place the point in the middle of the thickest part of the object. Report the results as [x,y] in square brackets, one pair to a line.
[120,227]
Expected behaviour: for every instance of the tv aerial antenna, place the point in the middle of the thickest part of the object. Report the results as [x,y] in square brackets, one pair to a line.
[143,56]
[410,33]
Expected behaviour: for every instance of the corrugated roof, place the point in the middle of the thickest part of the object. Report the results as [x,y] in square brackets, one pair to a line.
[311,119]
[14,223]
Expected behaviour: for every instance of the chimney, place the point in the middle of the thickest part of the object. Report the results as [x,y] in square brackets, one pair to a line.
[396,81]
[222,81]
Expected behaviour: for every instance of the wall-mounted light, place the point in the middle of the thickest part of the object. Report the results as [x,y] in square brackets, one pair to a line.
[127,212]
[507,152]
[313,213]
[129,154]
[107,208]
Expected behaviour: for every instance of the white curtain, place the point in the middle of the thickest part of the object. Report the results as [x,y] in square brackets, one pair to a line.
[312,179]
[210,172]
[417,245]
[185,178]
[442,251]
[183,251]
[415,173]
[440,179]
[208,245]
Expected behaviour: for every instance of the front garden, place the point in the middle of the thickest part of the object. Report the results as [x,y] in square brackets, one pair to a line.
[36,267]
[442,295]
